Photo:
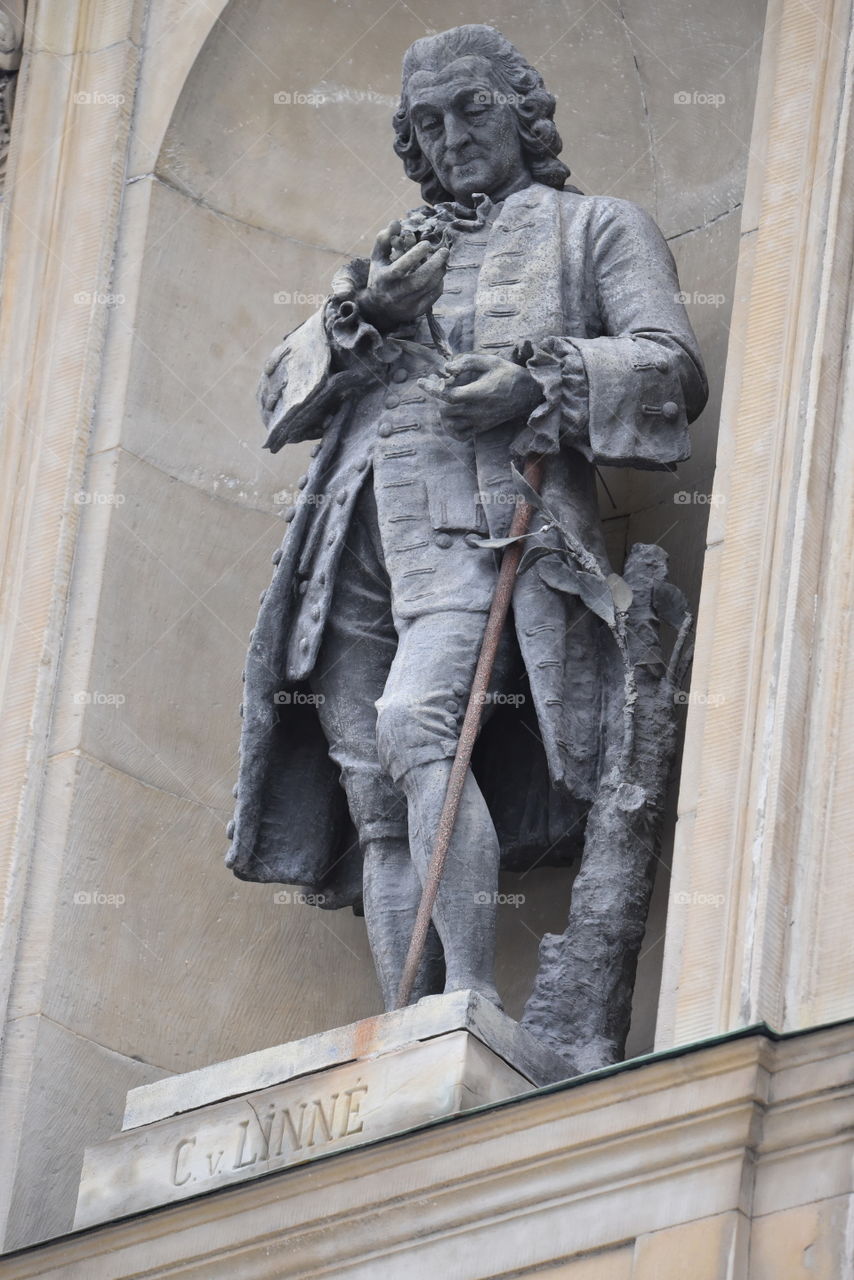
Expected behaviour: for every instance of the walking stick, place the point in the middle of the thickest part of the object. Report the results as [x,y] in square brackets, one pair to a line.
[468,735]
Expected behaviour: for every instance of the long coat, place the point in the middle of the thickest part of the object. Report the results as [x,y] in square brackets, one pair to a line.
[593,287]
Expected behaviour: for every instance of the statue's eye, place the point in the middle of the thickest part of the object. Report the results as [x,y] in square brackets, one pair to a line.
[430,124]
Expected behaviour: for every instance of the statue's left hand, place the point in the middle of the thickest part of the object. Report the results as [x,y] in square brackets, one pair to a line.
[479,392]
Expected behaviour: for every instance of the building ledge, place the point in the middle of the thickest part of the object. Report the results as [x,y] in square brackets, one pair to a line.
[710,1152]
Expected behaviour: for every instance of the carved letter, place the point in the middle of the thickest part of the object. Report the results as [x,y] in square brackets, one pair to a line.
[239,1162]
[351,1110]
[317,1103]
[176,1181]
[294,1134]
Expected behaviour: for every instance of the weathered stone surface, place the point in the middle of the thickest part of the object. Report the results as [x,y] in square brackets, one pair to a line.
[323,1113]
[808,1242]
[189,405]
[196,564]
[433,1016]
[132,853]
[56,1132]
[769,753]
[697,90]
[613,1264]
[717,1248]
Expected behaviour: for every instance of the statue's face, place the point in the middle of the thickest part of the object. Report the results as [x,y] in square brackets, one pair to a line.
[467,130]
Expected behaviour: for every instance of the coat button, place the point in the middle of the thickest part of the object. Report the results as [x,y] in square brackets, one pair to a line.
[302,482]
[399,375]
[362,464]
[289,515]
[662,364]
[315,613]
[459,689]
[342,497]
[303,645]
[451,705]
[391,402]
[229,831]
[472,540]
[670,410]
[443,540]
[277,555]
[384,429]
[303,587]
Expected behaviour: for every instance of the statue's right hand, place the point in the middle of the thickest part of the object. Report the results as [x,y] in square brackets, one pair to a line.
[399,292]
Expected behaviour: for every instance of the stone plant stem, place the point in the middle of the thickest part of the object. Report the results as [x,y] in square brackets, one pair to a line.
[582,997]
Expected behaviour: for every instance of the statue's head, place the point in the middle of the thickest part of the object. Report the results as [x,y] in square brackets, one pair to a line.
[475,116]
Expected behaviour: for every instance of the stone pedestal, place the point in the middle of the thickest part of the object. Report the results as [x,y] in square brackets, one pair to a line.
[195,1133]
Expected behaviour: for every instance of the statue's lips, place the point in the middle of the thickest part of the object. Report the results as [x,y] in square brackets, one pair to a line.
[456,166]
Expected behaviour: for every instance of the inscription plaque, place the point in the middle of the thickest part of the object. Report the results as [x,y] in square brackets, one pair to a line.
[290,1123]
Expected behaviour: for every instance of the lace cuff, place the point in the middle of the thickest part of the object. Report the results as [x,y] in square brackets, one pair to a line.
[562,417]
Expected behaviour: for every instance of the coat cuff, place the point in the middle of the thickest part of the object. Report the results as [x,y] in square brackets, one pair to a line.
[638,413]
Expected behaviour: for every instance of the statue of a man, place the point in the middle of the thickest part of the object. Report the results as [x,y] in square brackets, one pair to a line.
[510,317]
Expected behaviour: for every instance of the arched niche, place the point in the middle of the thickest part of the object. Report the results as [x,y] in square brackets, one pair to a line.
[275,167]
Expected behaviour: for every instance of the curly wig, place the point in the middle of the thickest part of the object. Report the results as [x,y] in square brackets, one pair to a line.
[533,105]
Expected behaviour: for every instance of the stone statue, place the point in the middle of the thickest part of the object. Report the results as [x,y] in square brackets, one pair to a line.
[510,317]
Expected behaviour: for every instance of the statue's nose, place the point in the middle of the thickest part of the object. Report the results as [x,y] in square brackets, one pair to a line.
[457,133]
